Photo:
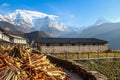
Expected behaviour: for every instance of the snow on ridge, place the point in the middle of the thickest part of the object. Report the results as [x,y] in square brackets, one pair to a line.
[34,20]
[27,18]
[36,14]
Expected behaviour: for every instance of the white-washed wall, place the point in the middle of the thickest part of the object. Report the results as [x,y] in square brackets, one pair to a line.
[19,40]
[73,49]
[0,35]
[5,37]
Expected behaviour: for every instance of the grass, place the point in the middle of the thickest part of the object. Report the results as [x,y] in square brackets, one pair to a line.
[86,55]
[116,51]
[109,68]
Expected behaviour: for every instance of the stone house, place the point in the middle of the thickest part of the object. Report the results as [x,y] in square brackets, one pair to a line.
[72,45]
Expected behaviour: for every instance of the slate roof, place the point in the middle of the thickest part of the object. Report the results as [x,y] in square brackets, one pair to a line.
[71,40]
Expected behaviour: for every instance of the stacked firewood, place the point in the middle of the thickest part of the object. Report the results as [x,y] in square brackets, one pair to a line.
[20,63]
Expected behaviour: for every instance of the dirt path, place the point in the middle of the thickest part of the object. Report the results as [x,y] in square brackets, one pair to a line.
[73,75]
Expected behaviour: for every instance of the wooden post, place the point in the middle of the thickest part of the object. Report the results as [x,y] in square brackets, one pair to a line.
[38,46]
[82,54]
[114,54]
[98,51]
[106,54]
[66,55]
[88,55]
[98,54]
[77,55]
[79,48]
[89,50]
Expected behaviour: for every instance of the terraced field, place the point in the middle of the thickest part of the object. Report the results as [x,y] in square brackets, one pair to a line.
[109,68]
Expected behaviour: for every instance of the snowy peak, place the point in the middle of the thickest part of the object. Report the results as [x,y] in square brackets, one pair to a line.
[35,14]
[27,18]
[100,21]
[21,18]
[4,18]
[30,14]
[37,21]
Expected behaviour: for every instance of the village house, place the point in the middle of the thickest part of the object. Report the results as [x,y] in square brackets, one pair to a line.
[0,34]
[72,45]
[17,39]
[6,37]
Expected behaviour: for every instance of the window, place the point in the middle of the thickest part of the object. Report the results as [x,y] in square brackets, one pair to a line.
[48,44]
[101,43]
[93,44]
[84,44]
[73,44]
[61,44]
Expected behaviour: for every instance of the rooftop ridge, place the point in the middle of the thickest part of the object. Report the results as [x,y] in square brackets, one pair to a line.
[72,40]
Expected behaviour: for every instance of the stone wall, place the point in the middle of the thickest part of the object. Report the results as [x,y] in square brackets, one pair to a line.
[74,49]
[77,68]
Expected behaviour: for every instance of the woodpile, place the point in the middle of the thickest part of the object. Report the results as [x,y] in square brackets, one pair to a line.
[20,63]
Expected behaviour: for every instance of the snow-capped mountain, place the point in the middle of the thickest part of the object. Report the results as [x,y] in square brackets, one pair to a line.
[100,21]
[37,21]
[27,18]
[4,18]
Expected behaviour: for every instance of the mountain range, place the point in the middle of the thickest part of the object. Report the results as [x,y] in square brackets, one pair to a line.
[35,24]
[36,35]
[37,21]
[11,27]
[106,31]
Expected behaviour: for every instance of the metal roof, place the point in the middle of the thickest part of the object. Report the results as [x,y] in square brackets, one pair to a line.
[71,40]
[15,36]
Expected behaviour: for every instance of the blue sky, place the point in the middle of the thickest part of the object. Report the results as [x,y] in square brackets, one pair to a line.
[71,12]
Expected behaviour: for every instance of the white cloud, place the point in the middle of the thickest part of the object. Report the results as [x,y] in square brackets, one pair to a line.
[5,4]
[115,20]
